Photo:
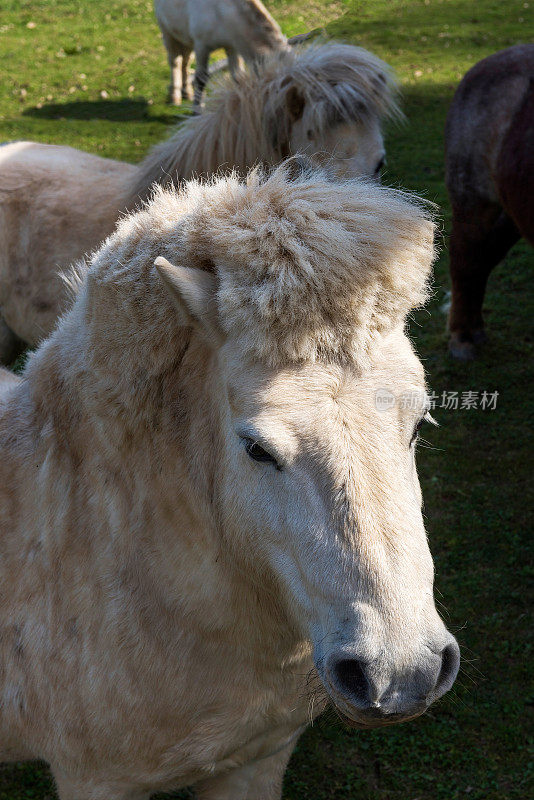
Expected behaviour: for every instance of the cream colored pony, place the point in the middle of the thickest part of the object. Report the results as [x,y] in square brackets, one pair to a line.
[56,203]
[200,500]
[242,27]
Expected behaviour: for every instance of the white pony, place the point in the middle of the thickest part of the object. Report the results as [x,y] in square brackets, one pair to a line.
[201,503]
[56,203]
[242,27]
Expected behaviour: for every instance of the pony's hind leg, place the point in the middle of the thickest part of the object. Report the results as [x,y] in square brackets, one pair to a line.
[187,89]
[175,57]
[10,344]
[201,74]
[480,238]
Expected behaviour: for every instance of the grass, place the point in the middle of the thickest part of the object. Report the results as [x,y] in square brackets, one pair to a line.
[476,476]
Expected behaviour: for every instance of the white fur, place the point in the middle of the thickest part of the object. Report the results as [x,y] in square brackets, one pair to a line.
[171,610]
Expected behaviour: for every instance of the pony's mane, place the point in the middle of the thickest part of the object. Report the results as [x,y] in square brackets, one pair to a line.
[72,279]
[307,270]
[248,122]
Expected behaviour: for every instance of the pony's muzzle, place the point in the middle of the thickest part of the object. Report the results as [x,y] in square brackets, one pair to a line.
[367,695]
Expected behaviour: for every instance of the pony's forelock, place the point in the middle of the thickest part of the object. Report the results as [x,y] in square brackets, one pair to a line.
[339,83]
[307,269]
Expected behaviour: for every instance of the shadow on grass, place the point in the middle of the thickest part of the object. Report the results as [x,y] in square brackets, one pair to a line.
[121,110]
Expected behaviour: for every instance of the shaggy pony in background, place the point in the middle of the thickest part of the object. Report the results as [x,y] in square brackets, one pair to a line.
[56,203]
[242,27]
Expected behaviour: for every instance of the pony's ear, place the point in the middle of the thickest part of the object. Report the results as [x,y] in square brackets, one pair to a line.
[288,109]
[295,103]
[193,293]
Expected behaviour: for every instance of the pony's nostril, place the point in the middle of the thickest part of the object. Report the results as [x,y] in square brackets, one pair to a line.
[450,662]
[351,678]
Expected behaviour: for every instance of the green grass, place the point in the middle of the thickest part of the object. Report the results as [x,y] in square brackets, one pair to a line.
[476,477]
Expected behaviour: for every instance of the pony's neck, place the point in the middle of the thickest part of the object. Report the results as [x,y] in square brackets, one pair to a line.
[155,435]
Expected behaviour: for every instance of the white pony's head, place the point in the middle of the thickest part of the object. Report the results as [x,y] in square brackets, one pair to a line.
[299,290]
[328,101]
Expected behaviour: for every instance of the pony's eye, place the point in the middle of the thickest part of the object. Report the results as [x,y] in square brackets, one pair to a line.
[309,134]
[380,165]
[257,453]
[416,430]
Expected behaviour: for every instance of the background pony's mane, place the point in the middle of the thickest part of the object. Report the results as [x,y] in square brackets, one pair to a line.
[307,269]
[248,122]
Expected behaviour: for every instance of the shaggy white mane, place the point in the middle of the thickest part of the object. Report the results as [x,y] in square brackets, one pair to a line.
[248,122]
[307,269]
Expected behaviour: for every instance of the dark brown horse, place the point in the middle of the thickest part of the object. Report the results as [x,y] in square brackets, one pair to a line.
[489,139]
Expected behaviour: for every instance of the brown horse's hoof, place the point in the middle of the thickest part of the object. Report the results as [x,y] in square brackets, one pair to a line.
[480,336]
[463,348]
[462,351]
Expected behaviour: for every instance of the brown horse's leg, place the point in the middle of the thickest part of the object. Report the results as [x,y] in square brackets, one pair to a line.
[480,238]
